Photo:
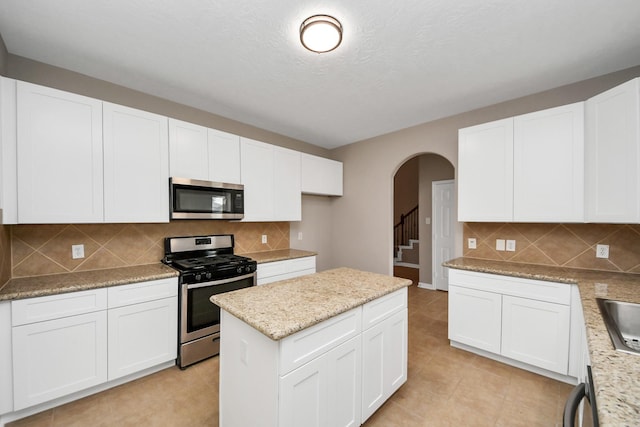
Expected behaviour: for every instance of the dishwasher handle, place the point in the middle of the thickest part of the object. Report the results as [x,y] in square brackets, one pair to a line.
[571,406]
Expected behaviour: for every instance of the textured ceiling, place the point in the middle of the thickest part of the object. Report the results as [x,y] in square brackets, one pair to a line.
[401,63]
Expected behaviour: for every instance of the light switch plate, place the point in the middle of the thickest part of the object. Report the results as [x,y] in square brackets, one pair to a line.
[77,251]
[471,242]
[511,245]
[500,244]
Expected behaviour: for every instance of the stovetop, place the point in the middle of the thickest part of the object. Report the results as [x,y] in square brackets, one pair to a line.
[206,258]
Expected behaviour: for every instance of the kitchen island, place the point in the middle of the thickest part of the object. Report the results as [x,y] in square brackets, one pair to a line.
[323,349]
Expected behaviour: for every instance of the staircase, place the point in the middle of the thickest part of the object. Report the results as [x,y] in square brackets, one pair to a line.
[408,255]
[406,243]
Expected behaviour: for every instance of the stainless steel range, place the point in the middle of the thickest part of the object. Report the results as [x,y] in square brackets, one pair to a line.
[207,266]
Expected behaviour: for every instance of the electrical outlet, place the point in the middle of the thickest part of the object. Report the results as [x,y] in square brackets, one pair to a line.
[264,239]
[471,242]
[511,245]
[602,251]
[499,244]
[77,251]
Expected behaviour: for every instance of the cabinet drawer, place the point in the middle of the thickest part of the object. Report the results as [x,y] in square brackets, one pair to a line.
[142,292]
[300,264]
[271,269]
[306,345]
[50,307]
[559,293]
[384,307]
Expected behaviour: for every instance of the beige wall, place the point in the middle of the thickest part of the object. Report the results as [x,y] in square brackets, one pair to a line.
[363,218]
[315,228]
[432,168]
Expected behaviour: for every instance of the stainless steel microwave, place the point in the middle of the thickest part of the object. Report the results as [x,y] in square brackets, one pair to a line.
[196,199]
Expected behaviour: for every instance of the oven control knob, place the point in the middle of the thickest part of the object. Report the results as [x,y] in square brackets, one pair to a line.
[198,277]
[248,269]
[208,275]
[239,269]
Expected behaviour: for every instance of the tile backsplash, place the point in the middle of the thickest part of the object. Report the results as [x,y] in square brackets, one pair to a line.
[46,249]
[5,254]
[565,245]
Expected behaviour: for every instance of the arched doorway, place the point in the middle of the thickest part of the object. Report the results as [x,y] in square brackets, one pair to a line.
[413,207]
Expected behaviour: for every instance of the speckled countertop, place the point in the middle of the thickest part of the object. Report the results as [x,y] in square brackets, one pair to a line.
[278,255]
[28,287]
[282,308]
[616,375]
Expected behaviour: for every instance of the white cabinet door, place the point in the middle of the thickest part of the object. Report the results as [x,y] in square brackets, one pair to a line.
[6,359]
[475,318]
[59,156]
[224,157]
[325,391]
[612,153]
[257,177]
[8,156]
[384,361]
[345,384]
[58,357]
[136,165]
[485,172]
[287,197]
[548,166]
[536,332]
[321,176]
[303,395]
[141,336]
[189,152]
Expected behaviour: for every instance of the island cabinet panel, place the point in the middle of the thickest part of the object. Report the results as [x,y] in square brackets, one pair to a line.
[59,147]
[320,376]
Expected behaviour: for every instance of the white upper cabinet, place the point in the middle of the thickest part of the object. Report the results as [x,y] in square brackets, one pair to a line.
[8,146]
[59,156]
[287,197]
[321,176]
[224,157]
[189,152]
[197,152]
[527,168]
[548,168]
[271,179]
[136,165]
[612,155]
[485,172]
[257,178]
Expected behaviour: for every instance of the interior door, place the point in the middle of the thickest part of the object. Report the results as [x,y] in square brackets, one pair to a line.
[443,206]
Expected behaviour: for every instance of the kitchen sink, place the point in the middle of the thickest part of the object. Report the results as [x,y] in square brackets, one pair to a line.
[622,320]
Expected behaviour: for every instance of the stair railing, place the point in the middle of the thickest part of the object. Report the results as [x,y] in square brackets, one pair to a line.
[407,228]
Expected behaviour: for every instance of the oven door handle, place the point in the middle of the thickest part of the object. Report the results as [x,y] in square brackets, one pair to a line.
[220,282]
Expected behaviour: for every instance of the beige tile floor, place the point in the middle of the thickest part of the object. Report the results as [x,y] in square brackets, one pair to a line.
[445,387]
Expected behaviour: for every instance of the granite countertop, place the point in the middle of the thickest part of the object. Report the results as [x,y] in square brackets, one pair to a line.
[278,255]
[282,308]
[616,375]
[28,287]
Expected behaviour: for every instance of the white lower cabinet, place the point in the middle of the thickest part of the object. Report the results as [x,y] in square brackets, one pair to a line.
[66,343]
[475,318]
[325,391]
[335,373]
[527,321]
[280,270]
[58,357]
[384,361]
[141,336]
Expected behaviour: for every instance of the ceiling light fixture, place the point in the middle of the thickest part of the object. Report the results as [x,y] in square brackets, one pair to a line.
[321,33]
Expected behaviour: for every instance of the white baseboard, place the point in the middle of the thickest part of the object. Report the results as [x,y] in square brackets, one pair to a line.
[426,286]
[406,264]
